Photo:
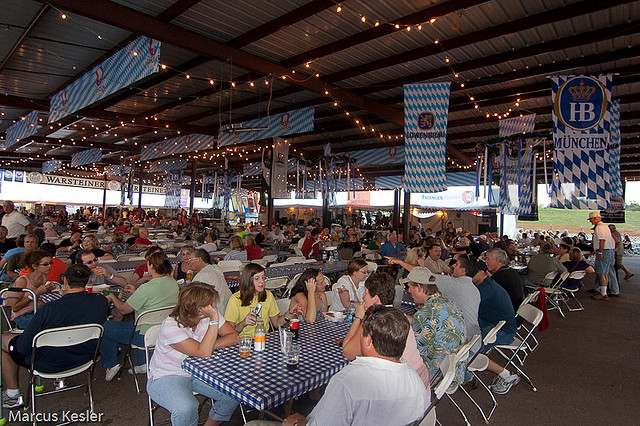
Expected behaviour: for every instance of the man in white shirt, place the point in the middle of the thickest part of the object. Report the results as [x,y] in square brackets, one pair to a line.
[380,290]
[200,263]
[14,221]
[603,245]
[459,288]
[379,387]
[433,261]
[276,235]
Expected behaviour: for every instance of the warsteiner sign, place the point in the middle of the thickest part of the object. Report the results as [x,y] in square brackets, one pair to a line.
[35,177]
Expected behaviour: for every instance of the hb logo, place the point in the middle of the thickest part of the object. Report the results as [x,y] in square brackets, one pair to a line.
[581,103]
[99,76]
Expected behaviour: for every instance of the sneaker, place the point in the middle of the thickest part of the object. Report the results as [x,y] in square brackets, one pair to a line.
[502,386]
[593,291]
[600,296]
[112,372]
[140,369]
[13,402]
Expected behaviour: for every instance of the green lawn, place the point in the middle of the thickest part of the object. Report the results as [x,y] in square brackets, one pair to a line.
[576,220]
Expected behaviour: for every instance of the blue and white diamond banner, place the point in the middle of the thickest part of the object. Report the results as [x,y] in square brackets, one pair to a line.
[379,156]
[137,60]
[173,188]
[515,182]
[24,128]
[180,145]
[286,123]
[165,165]
[388,182]
[51,166]
[614,151]
[117,170]
[581,124]
[88,156]
[511,126]
[426,107]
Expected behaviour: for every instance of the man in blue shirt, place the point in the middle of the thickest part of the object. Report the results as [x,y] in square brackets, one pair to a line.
[495,306]
[392,247]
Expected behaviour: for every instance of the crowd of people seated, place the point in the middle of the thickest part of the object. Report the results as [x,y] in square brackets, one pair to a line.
[456,296]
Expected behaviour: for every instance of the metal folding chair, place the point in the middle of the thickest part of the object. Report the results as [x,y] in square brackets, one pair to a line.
[480,362]
[150,317]
[571,292]
[5,298]
[276,285]
[64,337]
[532,315]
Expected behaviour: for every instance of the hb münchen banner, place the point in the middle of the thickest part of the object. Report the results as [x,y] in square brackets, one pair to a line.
[581,125]
[426,107]
[137,60]
[24,128]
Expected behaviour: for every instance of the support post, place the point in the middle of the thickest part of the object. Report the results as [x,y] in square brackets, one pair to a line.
[396,210]
[406,217]
[140,187]
[193,186]
[104,198]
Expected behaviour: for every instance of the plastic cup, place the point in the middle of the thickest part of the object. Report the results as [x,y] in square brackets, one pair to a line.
[244,345]
[286,339]
[292,356]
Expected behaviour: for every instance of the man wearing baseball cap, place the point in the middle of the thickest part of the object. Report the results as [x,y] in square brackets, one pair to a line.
[603,245]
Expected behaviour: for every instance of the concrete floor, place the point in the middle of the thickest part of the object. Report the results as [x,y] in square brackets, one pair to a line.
[586,371]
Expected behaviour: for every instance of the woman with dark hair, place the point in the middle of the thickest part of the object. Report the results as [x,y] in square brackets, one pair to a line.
[239,311]
[140,275]
[161,291]
[309,293]
[350,287]
[38,263]
[194,328]
[180,270]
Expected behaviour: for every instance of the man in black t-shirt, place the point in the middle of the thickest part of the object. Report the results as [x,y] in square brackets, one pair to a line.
[508,278]
[75,308]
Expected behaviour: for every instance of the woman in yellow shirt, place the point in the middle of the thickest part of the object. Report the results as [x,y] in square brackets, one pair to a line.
[239,311]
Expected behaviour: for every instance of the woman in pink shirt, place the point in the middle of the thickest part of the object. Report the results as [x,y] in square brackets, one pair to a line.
[194,328]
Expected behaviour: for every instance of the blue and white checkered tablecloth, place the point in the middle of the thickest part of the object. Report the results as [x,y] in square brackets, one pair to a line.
[291,270]
[130,265]
[262,380]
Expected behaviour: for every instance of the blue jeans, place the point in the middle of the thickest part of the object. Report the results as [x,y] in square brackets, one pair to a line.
[23,320]
[119,332]
[175,393]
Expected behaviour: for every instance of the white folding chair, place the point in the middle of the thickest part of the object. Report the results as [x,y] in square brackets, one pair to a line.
[150,317]
[295,259]
[276,285]
[461,356]
[5,305]
[261,262]
[372,267]
[480,362]
[59,338]
[575,275]
[137,258]
[297,250]
[125,257]
[230,265]
[292,283]
[272,258]
[283,305]
[532,342]
[555,294]
[439,386]
[108,261]
[532,315]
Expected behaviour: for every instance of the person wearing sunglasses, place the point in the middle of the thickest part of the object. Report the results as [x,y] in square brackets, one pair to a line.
[100,274]
[38,262]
